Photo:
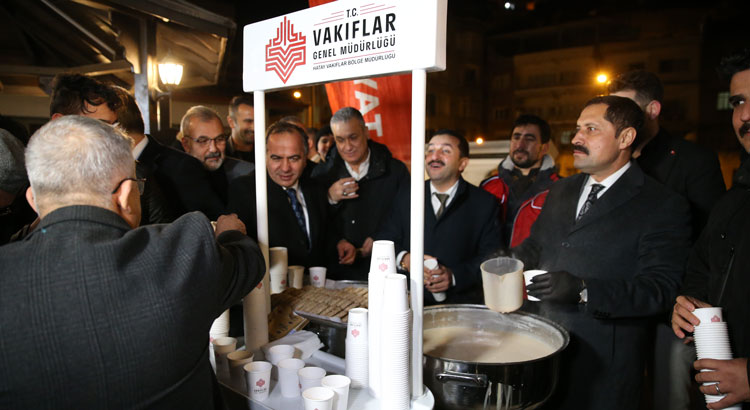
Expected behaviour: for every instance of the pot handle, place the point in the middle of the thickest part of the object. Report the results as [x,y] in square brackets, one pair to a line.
[478,380]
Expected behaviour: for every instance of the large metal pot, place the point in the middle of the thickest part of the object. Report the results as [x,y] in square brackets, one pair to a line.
[465,385]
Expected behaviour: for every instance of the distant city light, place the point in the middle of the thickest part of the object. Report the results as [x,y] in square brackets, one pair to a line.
[509,6]
[602,78]
[297,94]
[480,140]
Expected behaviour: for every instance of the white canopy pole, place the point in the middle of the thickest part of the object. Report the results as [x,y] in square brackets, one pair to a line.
[418,102]
[256,305]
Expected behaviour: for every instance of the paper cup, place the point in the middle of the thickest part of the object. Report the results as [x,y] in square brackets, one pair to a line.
[222,347]
[340,386]
[394,292]
[258,380]
[318,276]
[709,315]
[278,262]
[502,282]
[237,360]
[296,274]
[431,264]
[318,398]
[220,326]
[383,258]
[527,278]
[310,377]
[356,326]
[288,378]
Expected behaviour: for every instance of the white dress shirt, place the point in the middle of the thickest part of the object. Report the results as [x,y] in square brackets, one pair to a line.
[139,147]
[606,182]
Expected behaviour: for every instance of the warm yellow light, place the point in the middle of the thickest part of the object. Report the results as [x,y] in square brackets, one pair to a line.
[601,78]
[480,140]
[297,94]
[170,73]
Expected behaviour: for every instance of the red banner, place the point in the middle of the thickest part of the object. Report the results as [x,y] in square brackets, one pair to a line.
[385,102]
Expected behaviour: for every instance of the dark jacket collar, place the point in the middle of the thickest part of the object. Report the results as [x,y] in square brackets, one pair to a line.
[380,158]
[742,176]
[626,187]
[82,213]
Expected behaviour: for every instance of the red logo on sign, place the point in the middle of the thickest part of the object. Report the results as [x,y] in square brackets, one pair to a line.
[286,51]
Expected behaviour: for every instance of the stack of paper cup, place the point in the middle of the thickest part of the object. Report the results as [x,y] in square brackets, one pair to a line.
[433,264]
[318,276]
[357,348]
[296,274]
[220,326]
[278,265]
[395,343]
[712,342]
[382,262]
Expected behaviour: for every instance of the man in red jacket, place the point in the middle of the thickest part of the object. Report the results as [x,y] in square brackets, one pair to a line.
[523,178]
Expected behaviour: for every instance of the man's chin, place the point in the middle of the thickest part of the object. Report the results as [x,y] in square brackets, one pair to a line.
[213,165]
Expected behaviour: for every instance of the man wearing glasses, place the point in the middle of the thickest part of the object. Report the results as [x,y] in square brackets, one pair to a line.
[119,314]
[204,138]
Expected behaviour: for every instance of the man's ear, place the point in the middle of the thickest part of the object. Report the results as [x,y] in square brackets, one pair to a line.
[653,109]
[30,199]
[543,149]
[129,211]
[56,116]
[185,144]
[462,163]
[230,121]
[627,137]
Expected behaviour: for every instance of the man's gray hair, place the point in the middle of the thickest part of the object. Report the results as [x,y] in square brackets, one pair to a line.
[203,113]
[75,160]
[348,113]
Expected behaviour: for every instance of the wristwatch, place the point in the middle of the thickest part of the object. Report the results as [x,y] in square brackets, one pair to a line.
[402,265]
[584,293]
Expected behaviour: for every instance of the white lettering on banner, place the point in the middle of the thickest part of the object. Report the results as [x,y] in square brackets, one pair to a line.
[367,102]
[367,82]
[377,126]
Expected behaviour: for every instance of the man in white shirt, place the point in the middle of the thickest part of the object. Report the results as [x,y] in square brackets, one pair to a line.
[615,244]
[461,224]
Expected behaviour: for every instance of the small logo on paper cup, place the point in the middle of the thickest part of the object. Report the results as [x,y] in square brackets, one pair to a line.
[716,319]
[260,383]
[260,285]
[355,332]
[283,282]
[383,267]
[316,277]
[286,51]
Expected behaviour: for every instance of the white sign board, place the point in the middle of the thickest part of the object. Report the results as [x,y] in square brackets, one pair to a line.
[342,40]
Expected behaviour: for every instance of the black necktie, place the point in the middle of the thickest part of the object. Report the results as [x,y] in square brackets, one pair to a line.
[589,200]
[442,198]
[297,208]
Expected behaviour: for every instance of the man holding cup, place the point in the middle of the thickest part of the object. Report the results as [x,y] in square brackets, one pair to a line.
[460,221]
[717,269]
[614,243]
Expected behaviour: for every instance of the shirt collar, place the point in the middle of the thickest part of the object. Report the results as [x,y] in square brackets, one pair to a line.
[139,147]
[363,167]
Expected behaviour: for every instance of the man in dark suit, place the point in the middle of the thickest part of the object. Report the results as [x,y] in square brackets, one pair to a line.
[203,137]
[97,313]
[461,225]
[615,243]
[362,179]
[694,173]
[297,205]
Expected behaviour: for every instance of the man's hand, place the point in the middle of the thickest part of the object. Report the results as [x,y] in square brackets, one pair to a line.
[367,247]
[560,287]
[344,188]
[438,279]
[731,376]
[683,319]
[229,223]
[346,251]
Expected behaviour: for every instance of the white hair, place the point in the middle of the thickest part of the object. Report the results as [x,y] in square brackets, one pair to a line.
[75,160]
[203,113]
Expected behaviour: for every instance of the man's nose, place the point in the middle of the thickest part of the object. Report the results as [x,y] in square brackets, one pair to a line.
[745,111]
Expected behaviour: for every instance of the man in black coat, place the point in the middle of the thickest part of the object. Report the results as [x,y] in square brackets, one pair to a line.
[615,243]
[297,205]
[362,179]
[461,224]
[717,271]
[98,313]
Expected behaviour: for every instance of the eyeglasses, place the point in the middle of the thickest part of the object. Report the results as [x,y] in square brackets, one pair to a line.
[203,141]
[141,182]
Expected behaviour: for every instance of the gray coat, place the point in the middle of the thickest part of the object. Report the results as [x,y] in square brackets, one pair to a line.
[631,249]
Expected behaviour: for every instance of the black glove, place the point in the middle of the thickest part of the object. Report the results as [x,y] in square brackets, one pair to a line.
[559,286]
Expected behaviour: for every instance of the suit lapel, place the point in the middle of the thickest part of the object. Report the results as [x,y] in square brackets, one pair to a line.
[623,190]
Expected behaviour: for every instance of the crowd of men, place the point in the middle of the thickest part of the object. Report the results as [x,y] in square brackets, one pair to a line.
[113,274]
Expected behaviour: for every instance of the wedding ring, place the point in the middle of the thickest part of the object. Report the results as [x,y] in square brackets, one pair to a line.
[717,389]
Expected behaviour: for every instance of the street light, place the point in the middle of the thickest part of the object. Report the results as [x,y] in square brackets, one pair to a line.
[297,95]
[602,78]
[170,71]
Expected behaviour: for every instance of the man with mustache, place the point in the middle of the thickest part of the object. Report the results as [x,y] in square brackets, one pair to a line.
[614,243]
[241,119]
[523,178]
[203,137]
[717,271]
[461,225]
